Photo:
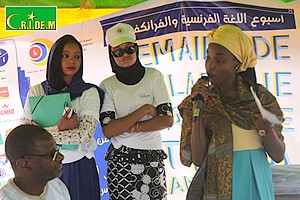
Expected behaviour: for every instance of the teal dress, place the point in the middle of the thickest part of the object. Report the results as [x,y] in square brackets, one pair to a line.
[252,176]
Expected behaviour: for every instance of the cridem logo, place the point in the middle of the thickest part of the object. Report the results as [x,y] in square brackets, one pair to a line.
[30,18]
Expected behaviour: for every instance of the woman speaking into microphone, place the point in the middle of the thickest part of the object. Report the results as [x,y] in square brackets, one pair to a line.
[230,140]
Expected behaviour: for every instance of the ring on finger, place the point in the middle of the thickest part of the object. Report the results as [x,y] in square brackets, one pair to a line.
[262,133]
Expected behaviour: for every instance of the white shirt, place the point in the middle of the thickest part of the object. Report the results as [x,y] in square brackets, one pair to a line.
[54,190]
[124,99]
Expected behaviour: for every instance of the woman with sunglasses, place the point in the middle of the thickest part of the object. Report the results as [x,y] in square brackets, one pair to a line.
[136,107]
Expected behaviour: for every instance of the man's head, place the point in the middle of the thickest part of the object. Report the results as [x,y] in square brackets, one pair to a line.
[32,152]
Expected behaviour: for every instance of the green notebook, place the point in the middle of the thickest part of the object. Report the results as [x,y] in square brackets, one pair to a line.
[47,110]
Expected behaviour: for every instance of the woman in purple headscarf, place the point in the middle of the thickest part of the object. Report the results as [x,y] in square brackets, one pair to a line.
[75,133]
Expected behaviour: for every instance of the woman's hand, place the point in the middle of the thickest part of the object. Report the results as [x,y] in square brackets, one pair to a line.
[66,123]
[150,110]
[272,144]
[263,126]
[201,87]
[147,109]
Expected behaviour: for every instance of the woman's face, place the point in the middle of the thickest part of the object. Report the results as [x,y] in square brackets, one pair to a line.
[71,60]
[220,64]
[127,59]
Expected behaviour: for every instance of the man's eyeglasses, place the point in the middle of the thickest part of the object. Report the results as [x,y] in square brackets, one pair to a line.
[52,155]
[128,50]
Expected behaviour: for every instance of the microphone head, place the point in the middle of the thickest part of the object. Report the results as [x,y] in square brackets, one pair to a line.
[200,97]
[204,78]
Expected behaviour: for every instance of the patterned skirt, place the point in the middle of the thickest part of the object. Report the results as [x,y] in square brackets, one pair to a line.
[136,174]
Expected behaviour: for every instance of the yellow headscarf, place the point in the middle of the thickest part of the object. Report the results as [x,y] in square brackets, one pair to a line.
[237,42]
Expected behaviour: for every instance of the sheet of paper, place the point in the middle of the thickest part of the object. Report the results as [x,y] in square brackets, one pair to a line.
[265,113]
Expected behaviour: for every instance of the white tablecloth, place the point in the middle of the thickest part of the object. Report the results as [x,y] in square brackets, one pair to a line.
[286,179]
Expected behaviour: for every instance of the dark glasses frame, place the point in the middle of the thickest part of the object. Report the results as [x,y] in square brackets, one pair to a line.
[129,50]
[52,155]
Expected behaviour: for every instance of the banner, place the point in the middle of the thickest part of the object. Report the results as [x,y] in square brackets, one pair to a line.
[172,38]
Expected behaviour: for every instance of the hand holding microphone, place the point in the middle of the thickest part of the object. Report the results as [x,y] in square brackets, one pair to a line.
[199,99]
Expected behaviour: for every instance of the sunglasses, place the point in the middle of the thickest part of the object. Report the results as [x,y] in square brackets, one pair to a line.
[128,50]
[52,155]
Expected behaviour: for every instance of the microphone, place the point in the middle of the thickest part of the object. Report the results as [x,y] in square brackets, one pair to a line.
[199,101]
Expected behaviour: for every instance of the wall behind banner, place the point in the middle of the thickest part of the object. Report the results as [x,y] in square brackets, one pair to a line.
[179,55]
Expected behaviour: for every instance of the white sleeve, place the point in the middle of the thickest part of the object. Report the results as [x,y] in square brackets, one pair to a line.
[90,103]
[108,104]
[161,94]
[89,108]
[80,135]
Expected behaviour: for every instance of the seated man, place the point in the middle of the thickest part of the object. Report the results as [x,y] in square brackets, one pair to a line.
[36,162]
